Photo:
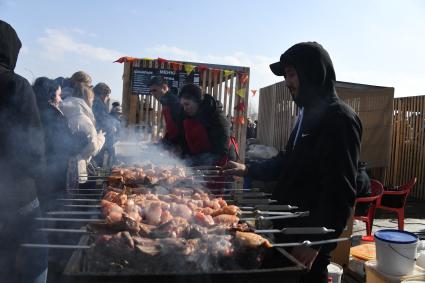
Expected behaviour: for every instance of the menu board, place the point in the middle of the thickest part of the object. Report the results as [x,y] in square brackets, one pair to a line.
[140,78]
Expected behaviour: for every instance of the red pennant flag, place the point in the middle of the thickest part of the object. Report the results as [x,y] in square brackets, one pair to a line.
[175,66]
[240,107]
[202,68]
[162,60]
[254,91]
[243,78]
[216,72]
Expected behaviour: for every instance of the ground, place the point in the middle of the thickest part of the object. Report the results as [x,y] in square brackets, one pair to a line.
[414,222]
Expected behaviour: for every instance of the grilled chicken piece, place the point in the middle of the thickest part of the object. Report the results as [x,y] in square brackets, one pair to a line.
[180,210]
[226,219]
[115,181]
[229,209]
[205,220]
[171,229]
[153,213]
[251,240]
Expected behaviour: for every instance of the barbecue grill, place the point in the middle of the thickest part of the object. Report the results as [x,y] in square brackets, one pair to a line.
[275,263]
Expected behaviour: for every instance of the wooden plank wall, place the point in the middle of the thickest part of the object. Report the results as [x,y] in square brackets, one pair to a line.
[408,144]
[144,112]
[277,114]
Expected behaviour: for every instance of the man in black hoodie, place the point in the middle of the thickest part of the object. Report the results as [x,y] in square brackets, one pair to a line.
[21,165]
[318,170]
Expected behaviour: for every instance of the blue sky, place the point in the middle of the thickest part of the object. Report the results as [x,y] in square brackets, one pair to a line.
[371,42]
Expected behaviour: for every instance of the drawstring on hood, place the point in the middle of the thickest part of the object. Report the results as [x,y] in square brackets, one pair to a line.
[314,69]
[9,46]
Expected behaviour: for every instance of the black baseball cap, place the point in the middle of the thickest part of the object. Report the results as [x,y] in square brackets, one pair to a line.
[278,68]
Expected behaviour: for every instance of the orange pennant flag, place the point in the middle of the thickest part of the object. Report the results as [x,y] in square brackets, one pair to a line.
[241,120]
[241,92]
[147,59]
[189,68]
[254,91]
[125,59]
[244,78]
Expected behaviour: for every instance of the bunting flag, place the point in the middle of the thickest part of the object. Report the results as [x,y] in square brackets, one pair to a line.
[215,72]
[240,107]
[161,60]
[241,92]
[189,68]
[228,73]
[254,91]
[147,59]
[240,120]
[244,78]
[175,66]
[202,68]
[125,59]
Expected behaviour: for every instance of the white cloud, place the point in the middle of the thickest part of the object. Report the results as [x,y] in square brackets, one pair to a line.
[57,43]
[83,32]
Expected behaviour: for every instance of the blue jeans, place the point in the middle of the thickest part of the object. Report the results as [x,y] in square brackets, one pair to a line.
[18,264]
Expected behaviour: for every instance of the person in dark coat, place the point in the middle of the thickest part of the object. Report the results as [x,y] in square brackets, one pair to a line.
[60,143]
[318,171]
[171,110]
[103,121]
[363,189]
[206,138]
[21,164]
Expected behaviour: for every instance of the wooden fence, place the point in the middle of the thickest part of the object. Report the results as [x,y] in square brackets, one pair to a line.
[408,144]
[228,84]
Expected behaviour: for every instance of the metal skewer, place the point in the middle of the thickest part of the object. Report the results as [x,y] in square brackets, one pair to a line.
[298,230]
[73,213]
[78,199]
[96,220]
[293,215]
[51,246]
[309,243]
[272,207]
[72,231]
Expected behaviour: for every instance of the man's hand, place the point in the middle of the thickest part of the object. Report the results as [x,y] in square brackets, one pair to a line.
[234,169]
[305,255]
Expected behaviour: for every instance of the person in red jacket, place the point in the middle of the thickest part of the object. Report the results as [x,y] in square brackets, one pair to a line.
[206,131]
[170,109]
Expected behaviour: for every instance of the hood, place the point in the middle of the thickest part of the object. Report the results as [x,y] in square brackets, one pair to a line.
[9,46]
[210,105]
[315,72]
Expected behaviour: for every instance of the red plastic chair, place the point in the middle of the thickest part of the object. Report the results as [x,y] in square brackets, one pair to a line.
[376,192]
[396,201]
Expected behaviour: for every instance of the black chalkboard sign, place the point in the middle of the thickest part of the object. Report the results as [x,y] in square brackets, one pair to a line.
[140,78]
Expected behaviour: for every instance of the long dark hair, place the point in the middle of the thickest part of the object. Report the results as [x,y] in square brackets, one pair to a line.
[45,91]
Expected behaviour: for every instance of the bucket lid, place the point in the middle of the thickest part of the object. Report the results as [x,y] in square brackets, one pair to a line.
[396,236]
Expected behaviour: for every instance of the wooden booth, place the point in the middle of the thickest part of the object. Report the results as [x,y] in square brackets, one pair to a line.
[228,84]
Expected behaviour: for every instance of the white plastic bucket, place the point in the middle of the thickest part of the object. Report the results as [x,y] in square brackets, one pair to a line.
[335,271]
[395,252]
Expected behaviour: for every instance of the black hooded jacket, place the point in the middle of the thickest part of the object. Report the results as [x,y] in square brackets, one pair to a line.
[317,172]
[211,116]
[21,135]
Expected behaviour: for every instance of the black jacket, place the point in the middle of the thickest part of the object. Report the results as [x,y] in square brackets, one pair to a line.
[21,135]
[211,116]
[318,172]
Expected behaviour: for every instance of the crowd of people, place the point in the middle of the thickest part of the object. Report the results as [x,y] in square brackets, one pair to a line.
[51,130]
